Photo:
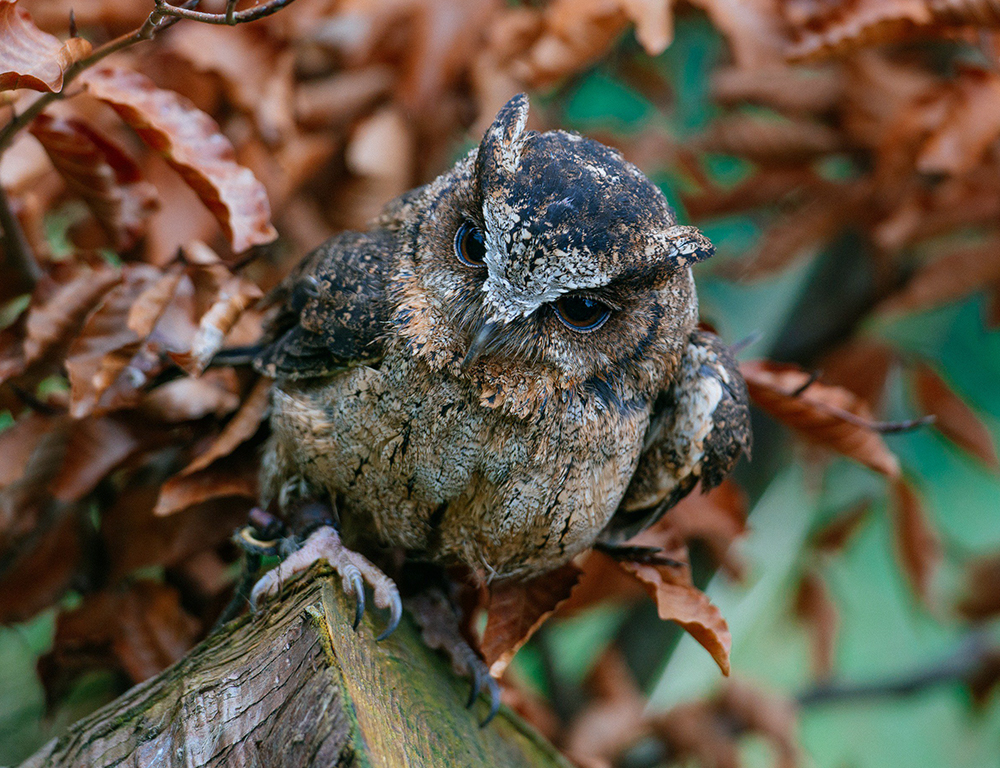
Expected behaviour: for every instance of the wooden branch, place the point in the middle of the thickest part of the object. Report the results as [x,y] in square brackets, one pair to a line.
[296,686]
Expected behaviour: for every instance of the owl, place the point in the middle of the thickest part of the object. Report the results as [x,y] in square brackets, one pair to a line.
[502,372]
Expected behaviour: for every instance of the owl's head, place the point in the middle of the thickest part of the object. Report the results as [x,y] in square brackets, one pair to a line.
[549,256]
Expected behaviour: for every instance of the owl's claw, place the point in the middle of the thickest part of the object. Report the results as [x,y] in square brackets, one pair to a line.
[325,544]
[438,624]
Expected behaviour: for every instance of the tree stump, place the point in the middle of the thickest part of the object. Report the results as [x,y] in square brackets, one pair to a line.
[295,685]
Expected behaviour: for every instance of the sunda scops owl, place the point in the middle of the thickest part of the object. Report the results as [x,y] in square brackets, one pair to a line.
[502,372]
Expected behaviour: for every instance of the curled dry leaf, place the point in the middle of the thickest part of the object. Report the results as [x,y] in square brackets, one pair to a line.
[971,125]
[678,600]
[948,278]
[953,418]
[827,415]
[238,429]
[845,25]
[187,399]
[30,58]
[104,366]
[785,89]
[231,298]
[615,719]
[517,609]
[718,518]
[917,544]
[60,305]
[233,476]
[192,143]
[574,34]
[108,180]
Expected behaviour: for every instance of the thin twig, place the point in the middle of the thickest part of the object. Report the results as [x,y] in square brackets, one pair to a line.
[973,657]
[813,378]
[231,11]
[19,257]
[230,17]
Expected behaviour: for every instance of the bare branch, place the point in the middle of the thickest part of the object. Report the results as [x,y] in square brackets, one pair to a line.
[230,17]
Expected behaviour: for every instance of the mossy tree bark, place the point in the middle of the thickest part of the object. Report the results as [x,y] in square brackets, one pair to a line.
[296,686]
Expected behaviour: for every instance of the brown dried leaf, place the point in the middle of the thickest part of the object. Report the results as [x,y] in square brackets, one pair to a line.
[40,575]
[953,418]
[109,181]
[917,544]
[835,535]
[103,364]
[801,233]
[851,24]
[861,366]
[791,90]
[769,715]
[948,278]
[680,601]
[517,609]
[95,447]
[982,589]
[234,475]
[615,719]
[971,125]
[60,305]
[830,416]
[141,629]
[816,609]
[769,139]
[238,430]
[230,299]
[30,58]
[187,399]
[718,518]
[193,145]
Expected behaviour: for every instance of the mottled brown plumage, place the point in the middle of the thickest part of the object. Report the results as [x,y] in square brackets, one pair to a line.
[438,380]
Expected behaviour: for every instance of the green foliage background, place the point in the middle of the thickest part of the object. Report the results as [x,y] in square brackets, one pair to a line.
[884,632]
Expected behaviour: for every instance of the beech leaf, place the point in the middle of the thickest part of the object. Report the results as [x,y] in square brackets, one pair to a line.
[917,543]
[31,58]
[828,415]
[192,143]
[517,609]
[953,418]
[107,179]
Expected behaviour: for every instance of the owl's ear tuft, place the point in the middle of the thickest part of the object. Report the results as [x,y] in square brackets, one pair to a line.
[502,143]
[685,245]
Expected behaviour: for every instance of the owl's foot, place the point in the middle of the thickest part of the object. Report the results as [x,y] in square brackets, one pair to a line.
[438,622]
[355,569]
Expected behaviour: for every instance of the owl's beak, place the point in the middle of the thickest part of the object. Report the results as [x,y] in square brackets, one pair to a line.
[480,344]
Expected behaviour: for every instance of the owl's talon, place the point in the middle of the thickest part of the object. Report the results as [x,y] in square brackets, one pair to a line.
[395,606]
[357,587]
[325,544]
[439,625]
[493,690]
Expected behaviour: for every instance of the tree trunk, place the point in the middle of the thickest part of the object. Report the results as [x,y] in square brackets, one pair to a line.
[294,685]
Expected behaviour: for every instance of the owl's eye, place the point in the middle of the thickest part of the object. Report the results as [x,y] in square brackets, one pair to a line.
[470,245]
[581,314]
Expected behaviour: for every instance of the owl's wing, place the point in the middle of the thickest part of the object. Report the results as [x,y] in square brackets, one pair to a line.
[334,309]
[699,429]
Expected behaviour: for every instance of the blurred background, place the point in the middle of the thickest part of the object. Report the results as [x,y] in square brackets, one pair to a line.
[843,155]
